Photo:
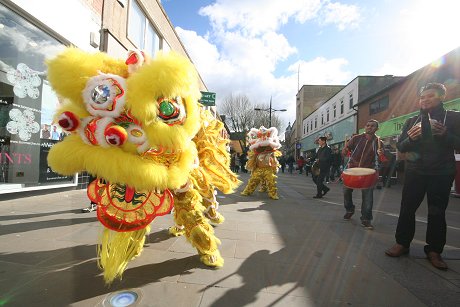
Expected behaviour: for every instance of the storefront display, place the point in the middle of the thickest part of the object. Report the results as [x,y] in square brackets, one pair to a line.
[27,102]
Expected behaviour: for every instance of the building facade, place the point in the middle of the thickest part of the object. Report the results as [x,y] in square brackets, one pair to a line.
[30,33]
[308,99]
[336,118]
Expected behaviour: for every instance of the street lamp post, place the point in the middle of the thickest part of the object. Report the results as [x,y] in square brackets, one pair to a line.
[270,110]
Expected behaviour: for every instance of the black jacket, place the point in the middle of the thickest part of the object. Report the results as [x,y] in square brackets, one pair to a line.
[324,155]
[432,155]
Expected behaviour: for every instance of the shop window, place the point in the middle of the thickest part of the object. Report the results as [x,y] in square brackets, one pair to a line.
[27,105]
[140,31]
[379,105]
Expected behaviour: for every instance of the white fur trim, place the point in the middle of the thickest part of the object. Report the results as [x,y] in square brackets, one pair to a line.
[132,68]
[136,139]
[101,109]
[184,188]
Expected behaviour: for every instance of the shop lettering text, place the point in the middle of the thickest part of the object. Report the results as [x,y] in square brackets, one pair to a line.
[398,126]
[15,158]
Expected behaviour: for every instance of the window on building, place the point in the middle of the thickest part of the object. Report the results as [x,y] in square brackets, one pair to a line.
[316,122]
[351,101]
[140,31]
[341,106]
[327,116]
[378,105]
[334,108]
[165,46]
[303,129]
[322,118]
[27,105]
[311,125]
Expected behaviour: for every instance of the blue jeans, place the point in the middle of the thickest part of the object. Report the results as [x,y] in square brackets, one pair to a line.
[367,202]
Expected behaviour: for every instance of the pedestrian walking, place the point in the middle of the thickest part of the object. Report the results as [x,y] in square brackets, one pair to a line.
[300,164]
[324,159]
[290,163]
[364,149]
[336,163]
[282,161]
[428,141]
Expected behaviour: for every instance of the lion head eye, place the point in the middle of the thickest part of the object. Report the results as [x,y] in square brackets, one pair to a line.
[171,110]
[104,95]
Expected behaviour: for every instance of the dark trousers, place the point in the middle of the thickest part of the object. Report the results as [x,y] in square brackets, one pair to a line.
[437,188]
[319,181]
[335,172]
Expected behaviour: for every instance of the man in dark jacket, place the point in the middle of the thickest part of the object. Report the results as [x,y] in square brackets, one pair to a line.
[429,140]
[324,159]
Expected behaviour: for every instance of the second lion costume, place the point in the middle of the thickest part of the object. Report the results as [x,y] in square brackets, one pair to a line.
[262,160]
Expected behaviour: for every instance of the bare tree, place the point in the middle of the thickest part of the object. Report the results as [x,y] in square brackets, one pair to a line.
[239,111]
[241,116]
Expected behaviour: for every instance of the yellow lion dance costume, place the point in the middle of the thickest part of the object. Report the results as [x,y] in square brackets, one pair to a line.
[262,160]
[134,124]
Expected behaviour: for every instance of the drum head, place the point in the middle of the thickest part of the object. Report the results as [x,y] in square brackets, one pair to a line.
[359,171]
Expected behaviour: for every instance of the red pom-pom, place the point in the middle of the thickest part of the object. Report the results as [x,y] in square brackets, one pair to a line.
[68,121]
[115,135]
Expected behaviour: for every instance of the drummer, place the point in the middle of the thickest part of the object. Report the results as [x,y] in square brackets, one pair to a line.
[364,150]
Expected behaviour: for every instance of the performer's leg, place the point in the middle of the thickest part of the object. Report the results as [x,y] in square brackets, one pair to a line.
[253,182]
[198,231]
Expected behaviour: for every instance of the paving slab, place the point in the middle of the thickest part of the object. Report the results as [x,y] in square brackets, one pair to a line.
[297,251]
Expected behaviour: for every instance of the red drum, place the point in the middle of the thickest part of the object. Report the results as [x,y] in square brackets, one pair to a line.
[360,178]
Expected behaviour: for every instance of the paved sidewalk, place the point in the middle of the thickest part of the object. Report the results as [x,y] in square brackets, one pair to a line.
[296,251]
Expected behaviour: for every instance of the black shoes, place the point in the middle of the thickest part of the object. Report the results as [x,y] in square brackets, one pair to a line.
[318,196]
[326,190]
[367,225]
[348,216]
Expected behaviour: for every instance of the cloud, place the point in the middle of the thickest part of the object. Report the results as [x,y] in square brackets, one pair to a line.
[343,15]
[243,50]
[258,16]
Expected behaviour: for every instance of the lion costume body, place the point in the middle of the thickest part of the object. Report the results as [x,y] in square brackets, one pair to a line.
[135,125]
[262,161]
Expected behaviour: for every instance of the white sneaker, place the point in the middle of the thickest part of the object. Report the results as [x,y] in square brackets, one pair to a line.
[91,208]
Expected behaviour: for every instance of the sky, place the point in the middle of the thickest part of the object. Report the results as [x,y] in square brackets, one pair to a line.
[267,48]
